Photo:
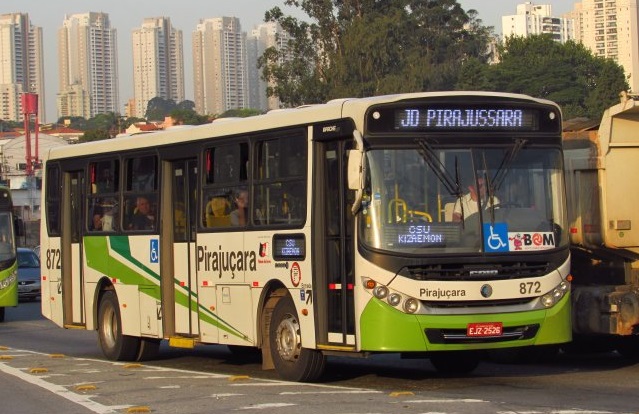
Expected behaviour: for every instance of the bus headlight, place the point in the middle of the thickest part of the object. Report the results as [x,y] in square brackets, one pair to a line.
[555,295]
[380,291]
[406,304]
[411,305]
[394,299]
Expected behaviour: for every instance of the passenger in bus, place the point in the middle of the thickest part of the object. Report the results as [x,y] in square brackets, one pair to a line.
[96,220]
[142,218]
[217,211]
[468,204]
[239,216]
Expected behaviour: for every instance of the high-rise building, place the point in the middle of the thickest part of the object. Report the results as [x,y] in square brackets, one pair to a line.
[158,63]
[534,19]
[87,56]
[21,64]
[220,80]
[264,36]
[610,29]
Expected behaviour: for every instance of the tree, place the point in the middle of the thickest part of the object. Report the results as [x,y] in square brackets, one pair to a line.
[159,108]
[94,135]
[240,113]
[569,74]
[369,47]
[184,116]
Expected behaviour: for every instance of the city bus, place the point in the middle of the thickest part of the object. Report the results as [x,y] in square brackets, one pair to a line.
[8,258]
[325,230]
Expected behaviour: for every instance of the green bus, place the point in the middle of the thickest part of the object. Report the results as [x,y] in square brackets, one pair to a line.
[336,229]
[8,261]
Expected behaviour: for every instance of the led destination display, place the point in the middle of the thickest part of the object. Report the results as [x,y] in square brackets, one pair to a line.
[475,117]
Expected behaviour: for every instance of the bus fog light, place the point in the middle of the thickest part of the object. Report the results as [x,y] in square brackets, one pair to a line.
[411,305]
[380,292]
[394,299]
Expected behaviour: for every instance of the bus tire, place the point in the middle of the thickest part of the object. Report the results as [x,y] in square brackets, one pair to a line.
[115,346]
[292,362]
[1,313]
[149,349]
[455,362]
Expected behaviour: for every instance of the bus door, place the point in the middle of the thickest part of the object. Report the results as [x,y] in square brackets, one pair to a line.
[332,247]
[179,281]
[71,249]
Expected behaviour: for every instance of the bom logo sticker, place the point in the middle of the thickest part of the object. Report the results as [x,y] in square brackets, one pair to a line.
[527,241]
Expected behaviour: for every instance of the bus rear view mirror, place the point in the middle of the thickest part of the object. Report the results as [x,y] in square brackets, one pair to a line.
[355,181]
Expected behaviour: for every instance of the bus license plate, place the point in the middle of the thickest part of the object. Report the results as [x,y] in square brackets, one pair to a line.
[484,329]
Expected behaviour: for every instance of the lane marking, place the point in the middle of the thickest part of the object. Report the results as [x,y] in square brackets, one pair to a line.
[267,406]
[447,400]
[83,400]
[330,392]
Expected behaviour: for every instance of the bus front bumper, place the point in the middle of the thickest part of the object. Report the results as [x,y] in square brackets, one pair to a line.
[385,329]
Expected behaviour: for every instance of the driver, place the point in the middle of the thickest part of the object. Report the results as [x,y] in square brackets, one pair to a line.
[470,203]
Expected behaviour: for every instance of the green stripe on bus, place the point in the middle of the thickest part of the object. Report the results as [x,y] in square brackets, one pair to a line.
[99,259]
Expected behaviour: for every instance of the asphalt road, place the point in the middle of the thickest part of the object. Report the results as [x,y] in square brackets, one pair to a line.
[44,368]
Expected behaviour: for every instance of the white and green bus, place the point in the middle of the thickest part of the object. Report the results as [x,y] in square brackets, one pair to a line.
[333,229]
[8,258]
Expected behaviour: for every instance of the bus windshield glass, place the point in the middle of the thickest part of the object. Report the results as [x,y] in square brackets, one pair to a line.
[7,246]
[482,199]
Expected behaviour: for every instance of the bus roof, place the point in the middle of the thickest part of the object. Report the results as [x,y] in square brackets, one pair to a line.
[306,115]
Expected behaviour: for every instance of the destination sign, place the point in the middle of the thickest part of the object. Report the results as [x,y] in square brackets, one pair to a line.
[466,118]
[289,247]
[472,117]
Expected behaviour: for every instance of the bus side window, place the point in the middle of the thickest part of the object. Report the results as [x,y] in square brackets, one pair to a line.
[141,212]
[142,173]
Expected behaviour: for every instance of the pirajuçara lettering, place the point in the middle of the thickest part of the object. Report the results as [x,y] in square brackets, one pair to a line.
[220,261]
[471,118]
[474,118]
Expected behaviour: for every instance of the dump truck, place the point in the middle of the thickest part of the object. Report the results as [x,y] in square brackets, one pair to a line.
[602,184]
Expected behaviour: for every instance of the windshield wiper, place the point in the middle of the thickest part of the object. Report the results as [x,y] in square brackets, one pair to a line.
[501,172]
[428,154]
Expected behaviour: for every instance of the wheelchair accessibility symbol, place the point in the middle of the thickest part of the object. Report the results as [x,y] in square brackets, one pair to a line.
[496,237]
[154,252]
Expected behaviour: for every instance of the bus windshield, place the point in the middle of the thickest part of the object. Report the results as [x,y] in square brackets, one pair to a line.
[7,246]
[488,199]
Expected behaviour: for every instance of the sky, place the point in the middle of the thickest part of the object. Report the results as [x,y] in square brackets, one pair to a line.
[126,15]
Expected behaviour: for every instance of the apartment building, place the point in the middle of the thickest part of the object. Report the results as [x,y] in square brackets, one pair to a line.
[262,37]
[610,29]
[88,66]
[158,63]
[220,80]
[532,19]
[21,64]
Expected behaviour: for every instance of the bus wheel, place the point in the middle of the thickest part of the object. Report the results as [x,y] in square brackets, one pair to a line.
[455,362]
[1,313]
[291,361]
[115,346]
[149,349]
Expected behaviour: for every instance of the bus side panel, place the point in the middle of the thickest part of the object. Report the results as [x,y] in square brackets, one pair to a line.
[132,266]
[230,298]
[51,268]
[129,300]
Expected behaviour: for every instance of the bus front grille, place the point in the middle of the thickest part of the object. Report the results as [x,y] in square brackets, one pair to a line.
[481,272]
[460,336]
